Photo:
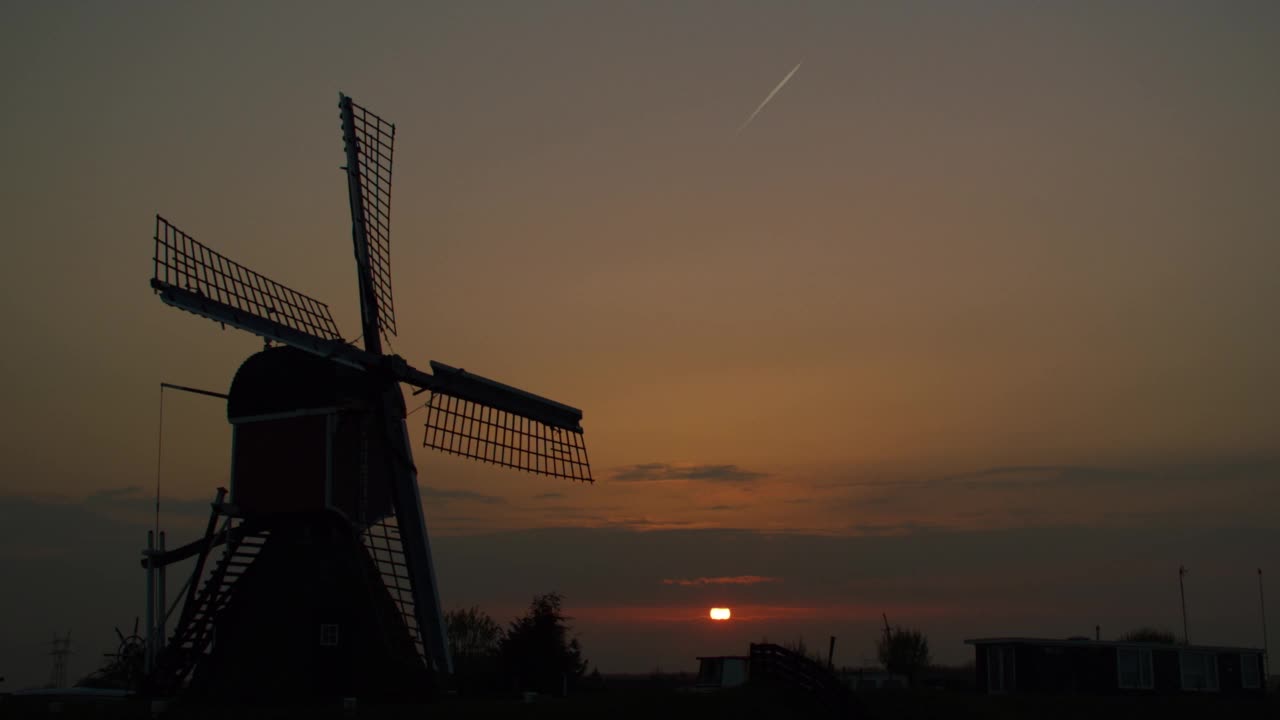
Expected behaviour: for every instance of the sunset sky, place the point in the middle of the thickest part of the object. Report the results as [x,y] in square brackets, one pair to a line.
[974,323]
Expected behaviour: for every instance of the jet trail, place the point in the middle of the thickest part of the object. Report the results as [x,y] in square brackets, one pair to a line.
[753,115]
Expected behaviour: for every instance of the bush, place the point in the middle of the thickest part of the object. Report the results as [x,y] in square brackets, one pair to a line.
[904,651]
[1150,635]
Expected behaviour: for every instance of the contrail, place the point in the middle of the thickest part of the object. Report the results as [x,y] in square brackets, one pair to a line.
[753,115]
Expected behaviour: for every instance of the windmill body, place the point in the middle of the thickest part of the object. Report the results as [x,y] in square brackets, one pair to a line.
[314,576]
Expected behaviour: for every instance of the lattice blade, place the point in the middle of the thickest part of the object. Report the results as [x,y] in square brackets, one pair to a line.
[385,546]
[482,432]
[191,276]
[370,141]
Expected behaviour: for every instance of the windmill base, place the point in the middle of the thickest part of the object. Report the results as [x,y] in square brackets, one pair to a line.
[309,621]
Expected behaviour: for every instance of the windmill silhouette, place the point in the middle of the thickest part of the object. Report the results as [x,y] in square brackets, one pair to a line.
[325,584]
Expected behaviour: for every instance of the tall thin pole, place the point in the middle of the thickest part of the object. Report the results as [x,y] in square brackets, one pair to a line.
[151,603]
[1266,650]
[161,598]
[1182,571]
[159,457]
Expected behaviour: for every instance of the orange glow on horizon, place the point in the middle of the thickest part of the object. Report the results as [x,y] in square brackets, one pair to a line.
[721,613]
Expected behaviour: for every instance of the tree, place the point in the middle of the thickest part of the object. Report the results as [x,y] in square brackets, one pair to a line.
[537,651]
[904,651]
[472,634]
[473,645]
[1150,635]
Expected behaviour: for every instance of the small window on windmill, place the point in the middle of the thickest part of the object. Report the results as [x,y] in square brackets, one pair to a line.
[328,635]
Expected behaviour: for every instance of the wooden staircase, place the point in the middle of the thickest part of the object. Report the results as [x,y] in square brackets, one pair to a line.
[194,635]
[781,667]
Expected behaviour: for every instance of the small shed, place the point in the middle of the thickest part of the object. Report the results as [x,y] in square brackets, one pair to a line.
[723,671]
[1019,664]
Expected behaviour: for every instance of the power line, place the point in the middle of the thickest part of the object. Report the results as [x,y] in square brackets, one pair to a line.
[61,649]
[160,435]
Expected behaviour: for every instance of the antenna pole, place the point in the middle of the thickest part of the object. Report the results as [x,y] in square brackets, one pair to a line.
[1266,651]
[359,231]
[1182,571]
[888,636]
[161,615]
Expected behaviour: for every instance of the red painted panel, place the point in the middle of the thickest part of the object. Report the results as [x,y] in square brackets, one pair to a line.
[279,465]
[358,438]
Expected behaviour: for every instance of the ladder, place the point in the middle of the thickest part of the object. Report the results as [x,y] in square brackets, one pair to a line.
[193,637]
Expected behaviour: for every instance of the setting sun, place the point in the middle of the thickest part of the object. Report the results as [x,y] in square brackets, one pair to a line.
[720,614]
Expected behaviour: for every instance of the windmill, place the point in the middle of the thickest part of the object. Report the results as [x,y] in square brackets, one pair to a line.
[325,583]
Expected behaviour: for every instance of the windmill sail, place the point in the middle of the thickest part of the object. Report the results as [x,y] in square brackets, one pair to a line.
[190,276]
[483,419]
[480,432]
[370,143]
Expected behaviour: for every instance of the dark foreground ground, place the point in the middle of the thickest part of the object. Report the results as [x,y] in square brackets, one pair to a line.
[668,704]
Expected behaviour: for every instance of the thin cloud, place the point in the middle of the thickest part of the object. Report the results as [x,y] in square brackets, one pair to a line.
[652,472]
[645,524]
[1006,476]
[108,494]
[722,580]
[893,529]
[443,496]
[1024,475]
[549,496]
[134,497]
[645,471]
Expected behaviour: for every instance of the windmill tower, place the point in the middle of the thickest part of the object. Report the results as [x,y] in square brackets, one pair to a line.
[324,584]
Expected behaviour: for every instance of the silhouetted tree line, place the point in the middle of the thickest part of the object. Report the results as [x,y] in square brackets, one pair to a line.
[534,653]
